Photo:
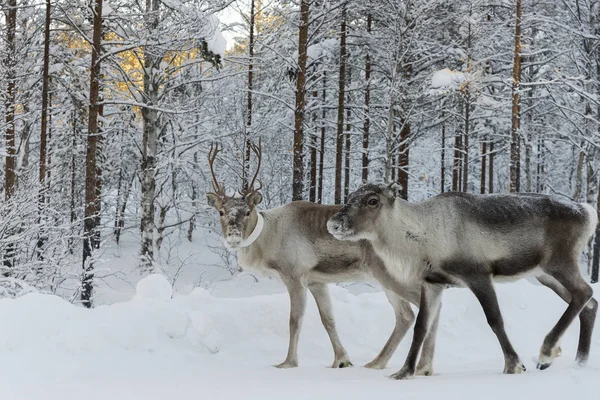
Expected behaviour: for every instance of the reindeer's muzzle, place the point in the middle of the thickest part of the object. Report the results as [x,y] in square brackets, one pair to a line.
[233,236]
[339,226]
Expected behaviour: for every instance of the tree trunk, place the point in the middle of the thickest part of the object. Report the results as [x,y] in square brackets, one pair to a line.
[246,166]
[367,122]
[149,144]
[192,224]
[322,144]
[591,187]
[491,170]
[457,160]
[578,193]
[90,163]
[162,215]
[120,223]
[340,117]
[515,142]
[540,166]
[443,160]
[392,152]
[9,102]
[298,173]
[9,115]
[403,159]
[73,177]
[596,261]
[347,141]
[483,165]
[312,196]
[44,118]
[465,168]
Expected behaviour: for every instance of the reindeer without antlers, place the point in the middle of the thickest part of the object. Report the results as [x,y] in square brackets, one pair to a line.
[292,242]
[465,240]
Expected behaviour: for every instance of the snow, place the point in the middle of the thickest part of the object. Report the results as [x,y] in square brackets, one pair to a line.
[325,48]
[154,286]
[202,346]
[217,42]
[106,9]
[446,78]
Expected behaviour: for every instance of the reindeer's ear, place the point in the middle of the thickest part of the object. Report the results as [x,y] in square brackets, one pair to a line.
[392,190]
[254,198]
[214,200]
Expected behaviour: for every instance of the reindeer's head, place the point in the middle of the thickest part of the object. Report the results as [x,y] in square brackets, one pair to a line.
[359,218]
[238,214]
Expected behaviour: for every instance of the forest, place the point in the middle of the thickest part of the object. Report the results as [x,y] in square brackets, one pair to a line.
[109,109]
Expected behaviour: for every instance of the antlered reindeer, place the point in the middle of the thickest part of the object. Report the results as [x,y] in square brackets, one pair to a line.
[292,243]
[459,239]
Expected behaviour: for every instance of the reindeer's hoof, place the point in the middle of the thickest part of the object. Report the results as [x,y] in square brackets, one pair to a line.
[515,369]
[344,363]
[375,364]
[287,364]
[543,366]
[545,360]
[424,371]
[403,374]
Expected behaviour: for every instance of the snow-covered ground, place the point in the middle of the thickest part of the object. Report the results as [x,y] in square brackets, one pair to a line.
[204,346]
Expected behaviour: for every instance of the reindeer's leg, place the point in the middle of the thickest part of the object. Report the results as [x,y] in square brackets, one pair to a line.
[425,366]
[404,319]
[320,292]
[587,317]
[483,288]
[297,291]
[580,297]
[428,309]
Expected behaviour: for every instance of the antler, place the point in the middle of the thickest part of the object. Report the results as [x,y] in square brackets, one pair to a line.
[257,150]
[212,155]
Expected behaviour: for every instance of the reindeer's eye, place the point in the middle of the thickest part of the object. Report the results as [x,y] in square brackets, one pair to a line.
[373,201]
[221,213]
[247,213]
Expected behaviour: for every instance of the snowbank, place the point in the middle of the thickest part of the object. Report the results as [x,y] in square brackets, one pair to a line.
[201,346]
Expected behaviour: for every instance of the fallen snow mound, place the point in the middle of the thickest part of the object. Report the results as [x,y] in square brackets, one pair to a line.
[201,346]
[154,286]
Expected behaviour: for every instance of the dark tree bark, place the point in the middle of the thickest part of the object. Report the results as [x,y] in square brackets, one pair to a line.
[367,122]
[44,118]
[340,117]
[483,165]
[403,158]
[491,169]
[539,178]
[246,166]
[443,160]
[465,167]
[312,193]
[456,164]
[596,258]
[347,140]
[9,102]
[9,116]
[515,142]
[298,173]
[90,221]
[322,144]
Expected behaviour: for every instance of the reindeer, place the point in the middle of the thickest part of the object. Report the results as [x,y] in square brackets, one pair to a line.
[465,240]
[292,243]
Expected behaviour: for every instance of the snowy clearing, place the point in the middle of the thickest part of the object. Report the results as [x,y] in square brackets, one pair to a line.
[202,346]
